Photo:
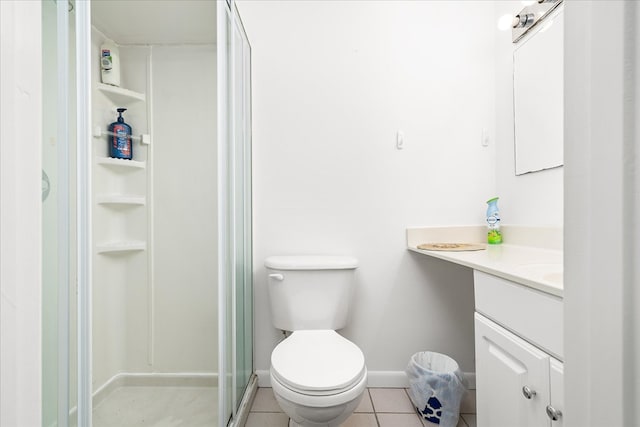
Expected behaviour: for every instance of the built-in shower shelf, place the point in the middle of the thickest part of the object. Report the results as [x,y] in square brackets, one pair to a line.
[120,96]
[120,200]
[122,246]
[111,161]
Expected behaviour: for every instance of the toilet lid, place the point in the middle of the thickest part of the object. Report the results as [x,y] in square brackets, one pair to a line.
[317,361]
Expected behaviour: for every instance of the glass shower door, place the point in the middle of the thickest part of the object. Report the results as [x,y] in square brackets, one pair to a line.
[242,212]
[58,279]
[235,233]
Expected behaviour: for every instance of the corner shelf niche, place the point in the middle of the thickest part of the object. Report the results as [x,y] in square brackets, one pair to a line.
[121,247]
[121,96]
[111,161]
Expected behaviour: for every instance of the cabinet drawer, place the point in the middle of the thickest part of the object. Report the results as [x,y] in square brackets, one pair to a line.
[533,315]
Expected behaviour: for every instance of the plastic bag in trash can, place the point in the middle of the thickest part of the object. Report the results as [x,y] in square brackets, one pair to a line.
[436,387]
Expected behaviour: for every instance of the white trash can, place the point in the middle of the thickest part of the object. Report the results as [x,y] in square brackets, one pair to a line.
[436,387]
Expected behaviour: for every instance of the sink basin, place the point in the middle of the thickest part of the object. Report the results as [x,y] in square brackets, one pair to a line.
[552,272]
[555,278]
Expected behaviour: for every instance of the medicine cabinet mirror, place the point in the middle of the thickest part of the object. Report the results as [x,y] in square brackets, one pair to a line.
[538,96]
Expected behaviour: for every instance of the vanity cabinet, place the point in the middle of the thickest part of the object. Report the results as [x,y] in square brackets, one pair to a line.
[518,339]
[516,382]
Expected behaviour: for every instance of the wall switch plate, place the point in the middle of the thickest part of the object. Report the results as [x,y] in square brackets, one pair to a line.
[399,140]
[485,138]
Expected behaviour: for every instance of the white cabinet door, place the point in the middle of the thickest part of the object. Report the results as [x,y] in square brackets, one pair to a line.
[556,405]
[507,369]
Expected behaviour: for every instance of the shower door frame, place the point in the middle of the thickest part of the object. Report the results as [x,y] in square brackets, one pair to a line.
[83,212]
[234,217]
[226,224]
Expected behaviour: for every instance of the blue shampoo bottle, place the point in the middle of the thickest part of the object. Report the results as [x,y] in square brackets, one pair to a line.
[120,145]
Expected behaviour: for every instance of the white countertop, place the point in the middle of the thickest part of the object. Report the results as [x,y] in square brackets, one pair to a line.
[537,266]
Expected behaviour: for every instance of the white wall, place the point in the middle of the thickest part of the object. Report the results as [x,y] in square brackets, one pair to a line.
[20,213]
[185,203]
[331,86]
[530,199]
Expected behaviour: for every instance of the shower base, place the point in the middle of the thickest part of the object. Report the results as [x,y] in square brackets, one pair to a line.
[159,400]
[158,406]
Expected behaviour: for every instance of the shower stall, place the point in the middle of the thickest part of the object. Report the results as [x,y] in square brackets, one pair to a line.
[147,280]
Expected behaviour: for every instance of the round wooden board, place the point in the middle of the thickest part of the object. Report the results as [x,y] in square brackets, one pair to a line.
[452,247]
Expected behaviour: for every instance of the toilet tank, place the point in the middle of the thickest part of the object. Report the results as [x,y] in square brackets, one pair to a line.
[310,292]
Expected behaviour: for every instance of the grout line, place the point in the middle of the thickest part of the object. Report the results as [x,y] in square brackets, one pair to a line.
[375,414]
[373,406]
[406,392]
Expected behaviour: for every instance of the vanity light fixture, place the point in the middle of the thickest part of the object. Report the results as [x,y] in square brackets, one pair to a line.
[523,20]
[531,16]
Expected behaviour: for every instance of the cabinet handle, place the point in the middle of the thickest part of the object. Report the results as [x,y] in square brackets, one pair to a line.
[528,392]
[553,413]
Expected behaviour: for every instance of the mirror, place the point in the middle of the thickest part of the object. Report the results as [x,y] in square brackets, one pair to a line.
[538,96]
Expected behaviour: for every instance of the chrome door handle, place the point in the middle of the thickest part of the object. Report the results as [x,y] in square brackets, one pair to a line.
[528,392]
[553,413]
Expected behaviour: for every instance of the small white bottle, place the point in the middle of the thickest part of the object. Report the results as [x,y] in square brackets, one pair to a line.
[110,63]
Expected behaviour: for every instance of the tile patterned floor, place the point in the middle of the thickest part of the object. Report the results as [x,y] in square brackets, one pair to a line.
[380,407]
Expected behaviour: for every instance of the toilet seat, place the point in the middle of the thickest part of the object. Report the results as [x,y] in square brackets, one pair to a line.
[317,363]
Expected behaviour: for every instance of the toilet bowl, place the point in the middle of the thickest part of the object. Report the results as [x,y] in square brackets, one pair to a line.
[318,377]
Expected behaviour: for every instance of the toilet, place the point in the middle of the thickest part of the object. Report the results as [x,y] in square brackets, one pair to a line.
[318,376]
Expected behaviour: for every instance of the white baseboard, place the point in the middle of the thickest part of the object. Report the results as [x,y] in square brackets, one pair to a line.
[263,378]
[386,379]
[471,380]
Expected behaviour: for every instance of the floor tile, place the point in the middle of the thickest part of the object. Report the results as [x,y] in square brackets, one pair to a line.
[391,400]
[265,401]
[470,419]
[399,420]
[361,420]
[267,419]
[461,423]
[365,404]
